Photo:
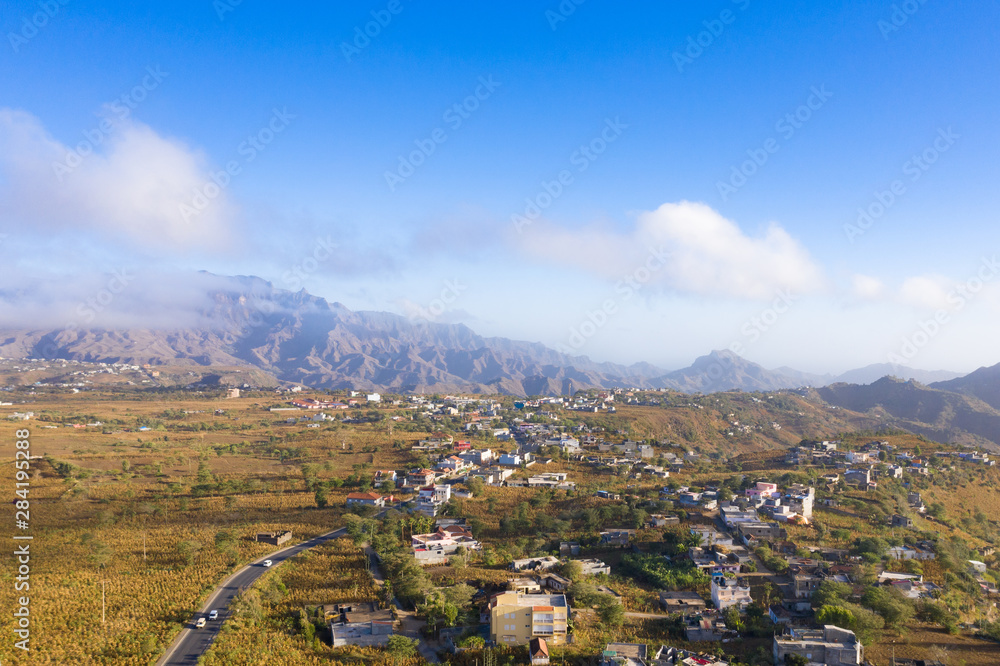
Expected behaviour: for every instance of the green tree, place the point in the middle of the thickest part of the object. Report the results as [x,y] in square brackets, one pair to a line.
[894,608]
[573,570]
[734,620]
[460,595]
[189,550]
[835,615]
[610,611]
[830,593]
[402,647]
[247,606]
[583,593]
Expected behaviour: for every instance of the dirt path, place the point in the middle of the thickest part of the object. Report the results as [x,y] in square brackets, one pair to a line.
[410,626]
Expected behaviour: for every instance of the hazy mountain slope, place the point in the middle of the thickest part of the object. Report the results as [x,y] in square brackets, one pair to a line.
[983,384]
[876,371]
[297,337]
[301,338]
[939,415]
[725,371]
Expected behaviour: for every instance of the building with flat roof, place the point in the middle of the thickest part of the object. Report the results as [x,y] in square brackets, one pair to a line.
[624,654]
[359,624]
[728,592]
[516,618]
[830,645]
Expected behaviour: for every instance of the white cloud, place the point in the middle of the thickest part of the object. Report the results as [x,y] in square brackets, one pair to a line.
[126,182]
[926,291]
[867,288]
[706,254]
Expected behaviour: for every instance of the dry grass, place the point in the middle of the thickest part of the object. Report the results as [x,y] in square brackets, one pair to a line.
[926,642]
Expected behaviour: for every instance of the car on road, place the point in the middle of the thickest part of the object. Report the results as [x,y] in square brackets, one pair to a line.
[200,623]
[268,563]
[214,615]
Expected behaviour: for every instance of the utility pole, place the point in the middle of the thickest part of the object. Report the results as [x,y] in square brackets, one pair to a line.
[143,546]
[103,603]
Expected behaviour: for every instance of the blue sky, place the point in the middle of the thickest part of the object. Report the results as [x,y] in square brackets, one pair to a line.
[770,263]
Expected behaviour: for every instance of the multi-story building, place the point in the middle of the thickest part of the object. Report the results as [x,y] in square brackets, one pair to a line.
[728,592]
[384,476]
[420,477]
[800,499]
[517,618]
[761,531]
[831,645]
[763,490]
[431,498]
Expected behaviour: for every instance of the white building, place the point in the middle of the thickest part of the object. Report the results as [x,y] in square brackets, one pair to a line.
[435,547]
[728,592]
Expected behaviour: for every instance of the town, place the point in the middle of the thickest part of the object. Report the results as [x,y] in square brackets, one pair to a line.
[535,530]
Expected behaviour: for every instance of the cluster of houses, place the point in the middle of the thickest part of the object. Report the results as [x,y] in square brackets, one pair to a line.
[463,464]
[968,456]
[865,466]
[449,537]
[794,504]
[829,645]
[637,654]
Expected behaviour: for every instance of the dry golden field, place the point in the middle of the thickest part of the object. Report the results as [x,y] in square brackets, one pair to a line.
[121,493]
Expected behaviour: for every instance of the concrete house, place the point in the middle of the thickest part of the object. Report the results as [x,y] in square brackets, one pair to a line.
[365,499]
[831,645]
[728,592]
[515,619]
[359,624]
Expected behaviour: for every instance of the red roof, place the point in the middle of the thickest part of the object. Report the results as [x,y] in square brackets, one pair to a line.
[364,496]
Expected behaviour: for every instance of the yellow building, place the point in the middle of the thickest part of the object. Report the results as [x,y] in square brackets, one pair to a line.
[516,618]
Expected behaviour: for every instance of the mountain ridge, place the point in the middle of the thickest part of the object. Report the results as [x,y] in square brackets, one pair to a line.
[301,338]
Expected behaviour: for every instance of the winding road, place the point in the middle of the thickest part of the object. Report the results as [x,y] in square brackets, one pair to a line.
[192,642]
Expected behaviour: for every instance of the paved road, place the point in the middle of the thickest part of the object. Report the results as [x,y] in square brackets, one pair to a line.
[192,643]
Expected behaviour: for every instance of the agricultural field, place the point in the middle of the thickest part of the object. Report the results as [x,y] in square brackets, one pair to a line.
[156,518]
[151,497]
[285,610]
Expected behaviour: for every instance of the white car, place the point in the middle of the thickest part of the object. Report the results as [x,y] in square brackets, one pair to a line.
[213,615]
[200,623]
[268,563]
